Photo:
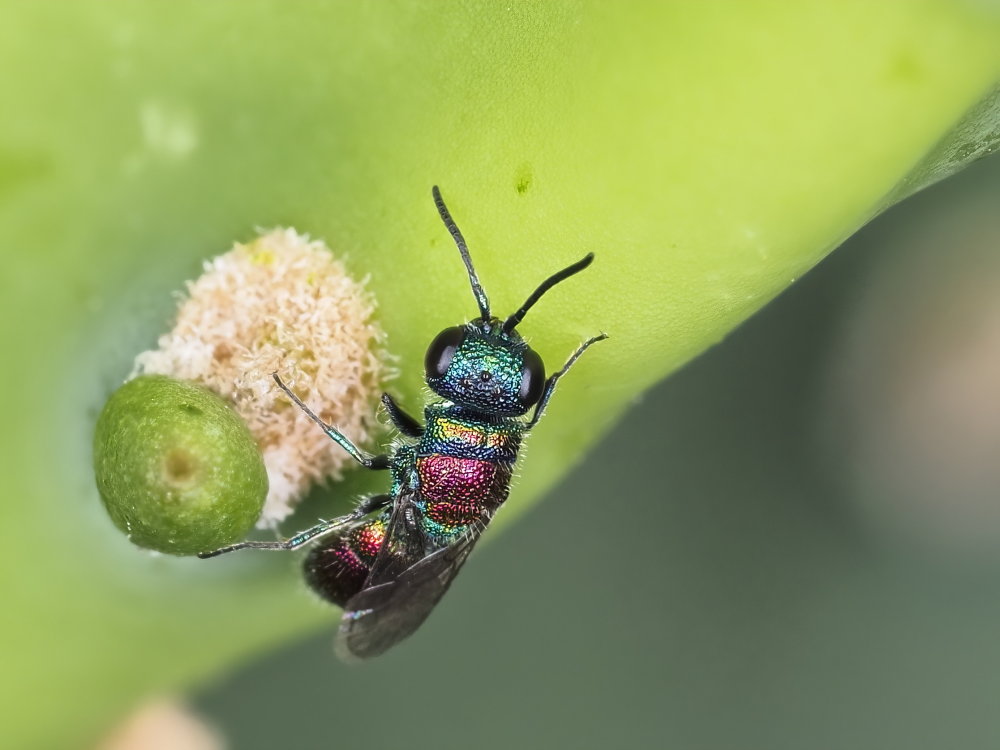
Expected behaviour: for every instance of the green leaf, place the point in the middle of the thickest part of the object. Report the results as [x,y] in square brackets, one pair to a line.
[709,154]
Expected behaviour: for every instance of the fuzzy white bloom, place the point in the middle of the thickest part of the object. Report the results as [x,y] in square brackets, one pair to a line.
[282,303]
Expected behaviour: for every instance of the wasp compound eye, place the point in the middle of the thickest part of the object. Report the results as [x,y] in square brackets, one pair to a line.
[532,378]
[442,351]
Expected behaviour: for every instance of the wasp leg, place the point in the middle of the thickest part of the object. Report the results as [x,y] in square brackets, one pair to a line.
[365,507]
[371,504]
[368,460]
[403,421]
[550,384]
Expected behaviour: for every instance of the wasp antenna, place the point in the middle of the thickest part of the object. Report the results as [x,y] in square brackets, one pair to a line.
[511,323]
[477,288]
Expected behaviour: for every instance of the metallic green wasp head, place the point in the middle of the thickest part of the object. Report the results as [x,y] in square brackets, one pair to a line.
[481,367]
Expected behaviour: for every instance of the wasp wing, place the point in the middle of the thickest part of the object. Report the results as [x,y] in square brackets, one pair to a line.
[408,578]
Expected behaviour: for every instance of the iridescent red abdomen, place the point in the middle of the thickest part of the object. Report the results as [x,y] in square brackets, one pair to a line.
[462,467]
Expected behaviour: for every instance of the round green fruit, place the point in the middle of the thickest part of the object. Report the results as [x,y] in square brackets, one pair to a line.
[176,467]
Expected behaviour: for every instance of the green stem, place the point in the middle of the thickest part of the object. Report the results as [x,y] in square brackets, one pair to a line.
[708,154]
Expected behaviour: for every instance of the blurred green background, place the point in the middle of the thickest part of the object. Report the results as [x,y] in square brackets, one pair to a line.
[807,553]
[718,573]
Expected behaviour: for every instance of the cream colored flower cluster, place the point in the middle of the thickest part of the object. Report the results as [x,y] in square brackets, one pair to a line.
[282,303]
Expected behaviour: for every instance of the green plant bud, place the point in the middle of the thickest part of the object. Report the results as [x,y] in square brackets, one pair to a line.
[177,469]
